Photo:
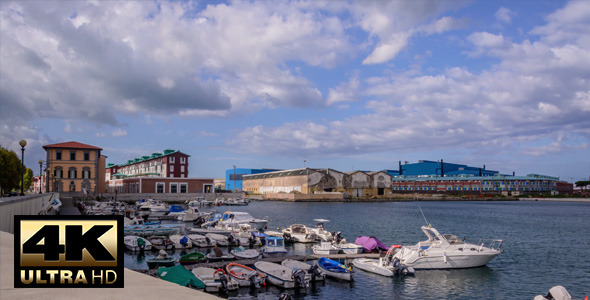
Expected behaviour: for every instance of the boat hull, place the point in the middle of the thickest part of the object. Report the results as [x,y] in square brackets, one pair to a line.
[451,261]
[335,270]
[276,274]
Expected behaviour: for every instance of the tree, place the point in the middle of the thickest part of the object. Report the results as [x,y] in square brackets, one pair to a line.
[10,171]
[583,183]
[28,179]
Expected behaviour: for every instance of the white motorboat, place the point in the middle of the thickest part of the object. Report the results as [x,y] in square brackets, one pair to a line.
[447,251]
[191,214]
[325,248]
[233,218]
[301,233]
[313,271]
[321,232]
[281,276]
[221,240]
[181,241]
[161,242]
[273,247]
[384,266]
[200,240]
[215,279]
[136,243]
[225,256]
[350,248]
[245,276]
[241,253]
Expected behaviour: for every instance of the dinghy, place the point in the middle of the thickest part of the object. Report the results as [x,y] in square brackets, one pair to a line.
[136,243]
[200,241]
[162,260]
[335,269]
[313,271]
[214,257]
[281,276]
[161,242]
[273,247]
[245,276]
[192,258]
[215,280]
[181,241]
[241,253]
[325,248]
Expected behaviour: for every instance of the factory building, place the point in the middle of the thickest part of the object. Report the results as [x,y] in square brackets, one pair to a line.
[440,168]
[233,177]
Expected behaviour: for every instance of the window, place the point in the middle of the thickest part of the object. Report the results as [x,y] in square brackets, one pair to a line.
[58,173]
[86,155]
[173,188]
[171,169]
[171,160]
[183,188]
[181,168]
[58,155]
[72,155]
[160,187]
[183,160]
[72,173]
[86,172]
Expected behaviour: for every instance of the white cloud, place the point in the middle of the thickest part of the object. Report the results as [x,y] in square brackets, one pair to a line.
[346,91]
[504,15]
[119,132]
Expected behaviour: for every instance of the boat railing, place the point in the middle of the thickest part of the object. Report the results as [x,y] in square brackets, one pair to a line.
[494,244]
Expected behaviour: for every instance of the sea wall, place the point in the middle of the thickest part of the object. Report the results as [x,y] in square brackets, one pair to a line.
[30,204]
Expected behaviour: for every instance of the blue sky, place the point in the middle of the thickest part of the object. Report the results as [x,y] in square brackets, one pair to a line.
[269,84]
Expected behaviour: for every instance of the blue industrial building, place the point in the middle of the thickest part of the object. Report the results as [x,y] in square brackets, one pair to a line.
[440,168]
[233,177]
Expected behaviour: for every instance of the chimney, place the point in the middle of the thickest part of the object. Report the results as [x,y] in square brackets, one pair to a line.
[442,170]
[480,172]
[484,167]
[400,167]
[513,173]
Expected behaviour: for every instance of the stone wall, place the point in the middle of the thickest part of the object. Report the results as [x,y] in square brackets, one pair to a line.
[22,205]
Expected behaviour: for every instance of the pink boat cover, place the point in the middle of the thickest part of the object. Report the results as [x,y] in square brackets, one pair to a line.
[370,243]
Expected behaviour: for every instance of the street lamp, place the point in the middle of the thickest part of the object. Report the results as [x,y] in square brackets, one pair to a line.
[40,175]
[22,143]
[235,188]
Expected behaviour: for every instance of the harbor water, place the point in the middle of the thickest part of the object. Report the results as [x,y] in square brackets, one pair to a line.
[545,244]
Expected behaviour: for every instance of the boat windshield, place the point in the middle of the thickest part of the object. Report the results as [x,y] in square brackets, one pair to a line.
[452,239]
[280,243]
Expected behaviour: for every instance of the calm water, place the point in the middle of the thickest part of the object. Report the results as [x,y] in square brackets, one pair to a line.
[545,243]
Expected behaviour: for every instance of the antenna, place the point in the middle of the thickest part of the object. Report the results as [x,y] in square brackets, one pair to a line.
[427,224]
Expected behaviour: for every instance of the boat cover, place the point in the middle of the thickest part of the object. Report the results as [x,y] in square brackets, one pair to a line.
[180,275]
[370,243]
[176,208]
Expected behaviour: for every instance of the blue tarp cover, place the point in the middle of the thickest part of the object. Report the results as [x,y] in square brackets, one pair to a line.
[176,208]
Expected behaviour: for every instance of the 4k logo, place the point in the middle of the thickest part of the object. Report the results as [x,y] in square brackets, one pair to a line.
[68,251]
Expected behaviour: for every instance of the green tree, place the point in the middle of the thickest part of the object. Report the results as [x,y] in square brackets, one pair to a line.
[28,179]
[10,170]
[582,183]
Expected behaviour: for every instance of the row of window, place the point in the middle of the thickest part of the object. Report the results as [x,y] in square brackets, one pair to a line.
[72,172]
[58,155]
[459,188]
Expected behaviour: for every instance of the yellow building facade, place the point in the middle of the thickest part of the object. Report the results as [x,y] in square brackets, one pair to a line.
[75,167]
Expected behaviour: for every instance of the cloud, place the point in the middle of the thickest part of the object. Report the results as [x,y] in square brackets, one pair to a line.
[535,91]
[345,91]
[119,132]
[504,15]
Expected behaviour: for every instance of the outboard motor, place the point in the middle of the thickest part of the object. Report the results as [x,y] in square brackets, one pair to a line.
[223,279]
[230,239]
[315,272]
[299,277]
[251,241]
[285,296]
[254,279]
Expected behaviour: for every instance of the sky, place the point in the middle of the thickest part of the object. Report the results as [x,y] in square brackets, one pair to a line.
[347,85]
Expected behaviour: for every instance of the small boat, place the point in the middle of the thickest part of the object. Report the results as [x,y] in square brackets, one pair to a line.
[382,266]
[180,275]
[214,257]
[301,233]
[192,258]
[281,276]
[335,269]
[136,243]
[241,253]
[245,276]
[161,242]
[325,248]
[234,218]
[447,251]
[322,233]
[313,271]
[221,240]
[162,260]
[181,241]
[149,230]
[350,248]
[273,247]
[557,292]
[215,280]
[191,214]
[200,240]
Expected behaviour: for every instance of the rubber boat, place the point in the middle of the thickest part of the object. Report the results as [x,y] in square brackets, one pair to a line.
[281,276]
[335,269]
[245,276]
[384,266]
[447,251]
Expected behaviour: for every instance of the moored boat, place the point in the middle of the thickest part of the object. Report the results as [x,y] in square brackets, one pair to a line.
[301,233]
[215,280]
[225,256]
[241,253]
[162,260]
[335,269]
[136,243]
[181,241]
[192,258]
[245,276]
[325,248]
[447,251]
[312,271]
[273,247]
[161,242]
[280,276]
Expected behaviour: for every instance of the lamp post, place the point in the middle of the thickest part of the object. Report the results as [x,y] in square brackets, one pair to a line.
[22,143]
[235,188]
[40,176]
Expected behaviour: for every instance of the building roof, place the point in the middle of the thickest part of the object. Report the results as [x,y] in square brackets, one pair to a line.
[147,157]
[71,145]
